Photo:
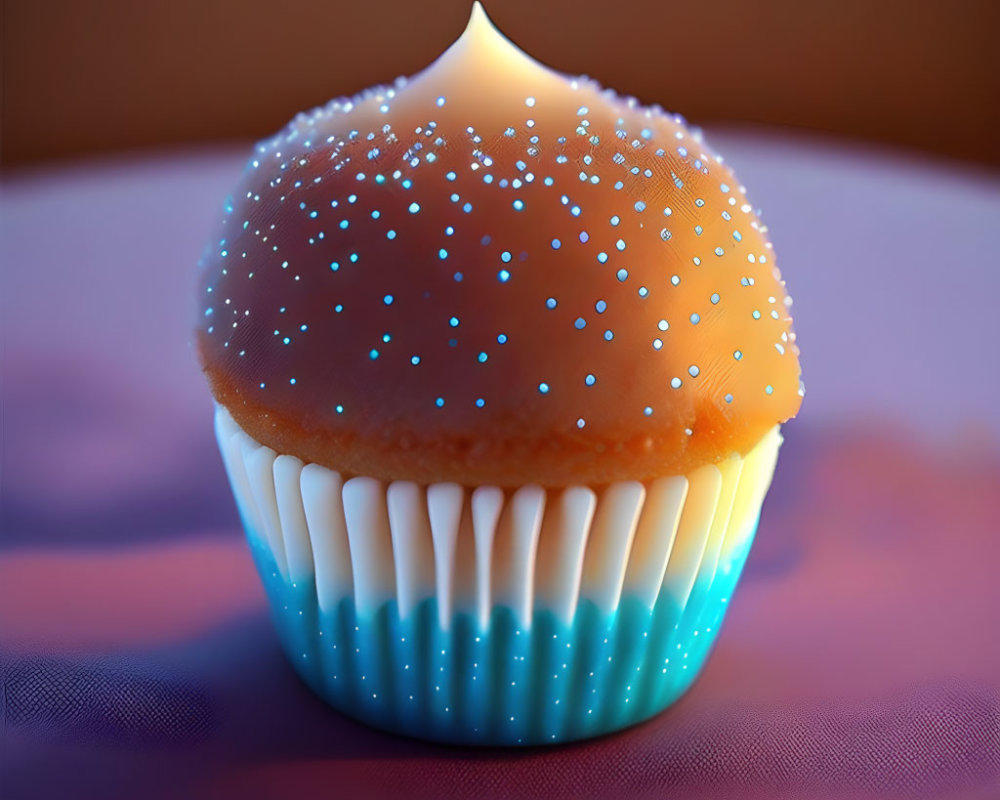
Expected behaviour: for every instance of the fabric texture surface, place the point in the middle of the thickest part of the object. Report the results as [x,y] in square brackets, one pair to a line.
[860,657]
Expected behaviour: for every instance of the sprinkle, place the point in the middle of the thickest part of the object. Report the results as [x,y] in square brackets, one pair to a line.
[675,383]
[590,380]
[388,299]
[543,388]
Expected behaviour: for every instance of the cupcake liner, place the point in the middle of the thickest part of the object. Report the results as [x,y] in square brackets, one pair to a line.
[482,615]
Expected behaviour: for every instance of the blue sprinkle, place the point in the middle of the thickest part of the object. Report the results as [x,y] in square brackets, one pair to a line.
[620,244]
[414,208]
[580,323]
[450,176]
[286,340]
[602,256]
[293,382]
[373,354]
[442,254]
[439,402]
[575,211]
[505,256]
[415,360]
[556,244]
[584,236]
[467,208]
[518,205]
[453,322]
[609,335]
[640,206]
[590,380]
[388,299]
[390,235]
[502,338]
[622,274]
[339,307]
[600,305]
[543,388]
[695,319]
[482,358]
[340,409]
[551,303]
[480,402]
[343,224]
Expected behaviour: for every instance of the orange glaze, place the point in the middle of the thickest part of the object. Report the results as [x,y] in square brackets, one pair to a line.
[487,275]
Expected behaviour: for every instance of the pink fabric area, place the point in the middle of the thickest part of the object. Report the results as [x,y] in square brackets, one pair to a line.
[860,657]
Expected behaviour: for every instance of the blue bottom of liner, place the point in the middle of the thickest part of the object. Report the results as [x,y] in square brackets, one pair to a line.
[502,686]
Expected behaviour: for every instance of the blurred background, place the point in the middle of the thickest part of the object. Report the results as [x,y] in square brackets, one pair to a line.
[86,78]
[137,658]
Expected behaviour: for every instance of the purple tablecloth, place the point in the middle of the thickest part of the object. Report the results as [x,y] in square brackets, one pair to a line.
[861,657]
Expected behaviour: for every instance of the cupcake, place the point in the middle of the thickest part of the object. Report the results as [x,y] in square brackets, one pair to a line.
[499,361]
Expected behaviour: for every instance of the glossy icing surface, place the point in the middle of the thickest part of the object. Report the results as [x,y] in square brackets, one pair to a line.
[494,273]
